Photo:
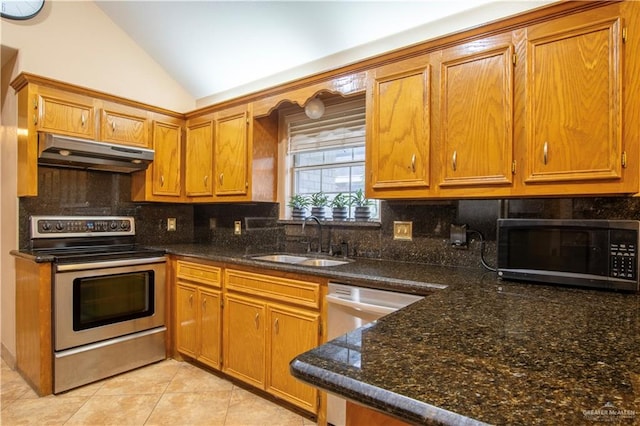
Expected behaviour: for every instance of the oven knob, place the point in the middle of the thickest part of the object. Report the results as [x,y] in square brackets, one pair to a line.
[46,226]
[125,225]
[59,226]
[113,225]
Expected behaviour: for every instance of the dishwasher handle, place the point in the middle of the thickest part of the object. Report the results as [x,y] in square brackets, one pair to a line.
[360,306]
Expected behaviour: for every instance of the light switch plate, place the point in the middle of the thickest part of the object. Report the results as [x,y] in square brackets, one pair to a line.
[237,227]
[171,224]
[403,230]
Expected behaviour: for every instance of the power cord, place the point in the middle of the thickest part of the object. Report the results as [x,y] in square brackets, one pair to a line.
[484,262]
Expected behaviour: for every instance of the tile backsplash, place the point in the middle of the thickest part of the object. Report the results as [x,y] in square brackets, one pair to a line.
[76,192]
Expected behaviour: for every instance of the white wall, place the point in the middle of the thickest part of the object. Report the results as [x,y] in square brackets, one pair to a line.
[74,42]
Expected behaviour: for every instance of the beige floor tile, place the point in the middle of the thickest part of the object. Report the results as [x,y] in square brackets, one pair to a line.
[193,409]
[152,379]
[248,409]
[190,377]
[48,410]
[14,387]
[116,410]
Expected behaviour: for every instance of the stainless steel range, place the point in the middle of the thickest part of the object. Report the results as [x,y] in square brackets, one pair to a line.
[108,297]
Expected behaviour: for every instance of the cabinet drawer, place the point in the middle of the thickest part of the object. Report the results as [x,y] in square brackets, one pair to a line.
[200,273]
[301,293]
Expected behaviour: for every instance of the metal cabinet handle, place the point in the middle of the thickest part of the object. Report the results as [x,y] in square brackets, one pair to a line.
[82,119]
[454,160]
[206,178]
[204,304]
[276,325]
[35,119]
[413,163]
[113,126]
[221,178]
[545,152]
[257,320]
[191,300]
[161,180]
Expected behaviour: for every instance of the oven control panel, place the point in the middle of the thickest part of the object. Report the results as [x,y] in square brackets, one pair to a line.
[81,226]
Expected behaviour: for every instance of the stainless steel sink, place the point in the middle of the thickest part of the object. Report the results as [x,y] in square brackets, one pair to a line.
[281,258]
[299,260]
[322,262]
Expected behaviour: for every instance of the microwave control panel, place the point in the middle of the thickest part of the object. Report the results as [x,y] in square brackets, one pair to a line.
[623,260]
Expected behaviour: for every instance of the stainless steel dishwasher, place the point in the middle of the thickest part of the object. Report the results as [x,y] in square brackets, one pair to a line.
[348,308]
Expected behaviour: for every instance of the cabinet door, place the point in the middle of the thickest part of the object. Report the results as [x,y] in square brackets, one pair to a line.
[166,166]
[476,112]
[72,116]
[574,89]
[293,331]
[244,339]
[398,140]
[120,127]
[186,307]
[199,159]
[210,327]
[231,154]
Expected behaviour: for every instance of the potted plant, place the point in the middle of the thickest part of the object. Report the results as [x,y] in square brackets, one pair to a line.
[363,205]
[298,204]
[340,206]
[319,201]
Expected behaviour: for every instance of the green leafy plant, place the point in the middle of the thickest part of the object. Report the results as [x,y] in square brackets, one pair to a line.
[360,200]
[319,199]
[341,200]
[299,201]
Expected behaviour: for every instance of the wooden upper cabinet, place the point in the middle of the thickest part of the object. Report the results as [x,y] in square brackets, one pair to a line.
[398,130]
[231,159]
[199,159]
[121,127]
[66,114]
[166,167]
[476,114]
[574,98]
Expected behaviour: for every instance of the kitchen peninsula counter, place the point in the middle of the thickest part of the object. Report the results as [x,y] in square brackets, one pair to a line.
[477,349]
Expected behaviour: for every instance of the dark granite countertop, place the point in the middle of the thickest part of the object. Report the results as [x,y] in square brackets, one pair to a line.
[477,349]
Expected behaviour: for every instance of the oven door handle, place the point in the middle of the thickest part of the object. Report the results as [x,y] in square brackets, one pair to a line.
[109,264]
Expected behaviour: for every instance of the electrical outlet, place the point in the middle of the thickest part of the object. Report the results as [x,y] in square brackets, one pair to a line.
[237,227]
[458,236]
[403,230]
[171,224]
[213,223]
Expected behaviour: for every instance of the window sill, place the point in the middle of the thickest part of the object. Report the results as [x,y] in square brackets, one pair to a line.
[374,223]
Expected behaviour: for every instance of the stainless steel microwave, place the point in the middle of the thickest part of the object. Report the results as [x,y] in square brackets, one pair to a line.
[586,253]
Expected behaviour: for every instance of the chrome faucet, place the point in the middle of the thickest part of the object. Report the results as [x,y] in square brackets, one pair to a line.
[304,222]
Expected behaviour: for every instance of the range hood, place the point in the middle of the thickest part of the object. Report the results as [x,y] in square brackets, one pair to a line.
[64,151]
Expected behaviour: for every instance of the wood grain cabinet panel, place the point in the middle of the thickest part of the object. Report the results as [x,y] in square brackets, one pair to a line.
[167,165]
[199,160]
[398,130]
[574,98]
[69,115]
[231,154]
[120,127]
[476,113]
[199,312]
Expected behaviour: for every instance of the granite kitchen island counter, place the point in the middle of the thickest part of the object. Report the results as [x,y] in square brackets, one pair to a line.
[492,352]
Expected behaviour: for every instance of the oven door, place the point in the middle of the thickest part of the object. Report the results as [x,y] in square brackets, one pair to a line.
[103,300]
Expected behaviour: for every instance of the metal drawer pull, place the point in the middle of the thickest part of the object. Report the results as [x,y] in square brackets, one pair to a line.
[454,160]
[545,152]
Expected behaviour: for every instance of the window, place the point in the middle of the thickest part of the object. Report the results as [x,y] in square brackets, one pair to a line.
[326,154]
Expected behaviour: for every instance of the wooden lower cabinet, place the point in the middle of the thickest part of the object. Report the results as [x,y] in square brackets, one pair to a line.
[244,339]
[268,321]
[198,312]
[358,415]
[292,332]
